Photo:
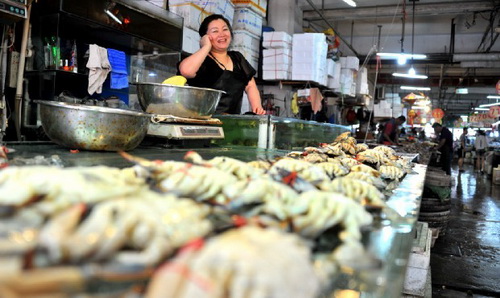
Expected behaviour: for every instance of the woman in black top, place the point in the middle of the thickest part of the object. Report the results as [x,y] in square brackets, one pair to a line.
[213,66]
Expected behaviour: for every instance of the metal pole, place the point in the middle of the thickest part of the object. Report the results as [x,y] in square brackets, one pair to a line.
[20,74]
[328,23]
[379,34]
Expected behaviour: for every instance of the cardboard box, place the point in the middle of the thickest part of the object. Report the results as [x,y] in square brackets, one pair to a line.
[276,40]
[246,19]
[258,6]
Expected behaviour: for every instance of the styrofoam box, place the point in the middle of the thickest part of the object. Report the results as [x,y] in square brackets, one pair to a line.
[242,38]
[245,19]
[190,40]
[258,6]
[251,56]
[223,7]
[277,56]
[350,62]
[347,76]
[276,40]
[272,66]
[276,75]
[193,15]
[330,67]
[333,82]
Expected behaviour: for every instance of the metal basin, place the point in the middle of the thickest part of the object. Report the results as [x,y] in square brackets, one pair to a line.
[91,127]
[180,101]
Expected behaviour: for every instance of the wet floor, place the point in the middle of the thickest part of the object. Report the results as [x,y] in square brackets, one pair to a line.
[465,262]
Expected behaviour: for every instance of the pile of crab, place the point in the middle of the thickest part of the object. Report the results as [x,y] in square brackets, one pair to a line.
[313,205]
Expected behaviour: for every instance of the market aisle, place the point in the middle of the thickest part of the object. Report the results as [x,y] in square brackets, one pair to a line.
[467,259]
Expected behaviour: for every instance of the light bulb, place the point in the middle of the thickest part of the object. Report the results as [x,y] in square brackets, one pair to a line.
[411,71]
[401,60]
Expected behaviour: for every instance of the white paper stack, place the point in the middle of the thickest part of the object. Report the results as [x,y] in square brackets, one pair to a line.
[309,61]
[258,6]
[362,82]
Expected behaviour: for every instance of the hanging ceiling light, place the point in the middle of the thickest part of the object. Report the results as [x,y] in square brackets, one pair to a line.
[401,57]
[350,2]
[493,96]
[490,105]
[416,88]
[412,74]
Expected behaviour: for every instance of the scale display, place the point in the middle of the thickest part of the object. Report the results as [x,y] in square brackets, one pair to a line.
[185,131]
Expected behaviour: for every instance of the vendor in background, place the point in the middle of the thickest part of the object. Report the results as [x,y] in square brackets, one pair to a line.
[213,66]
[445,146]
[390,133]
[461,149]
[481,144]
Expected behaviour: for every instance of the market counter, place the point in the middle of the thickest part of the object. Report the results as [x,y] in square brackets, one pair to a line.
[26,152]
[387,241]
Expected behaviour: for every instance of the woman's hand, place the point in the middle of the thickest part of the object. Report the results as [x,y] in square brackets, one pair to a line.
[258,110]
[205,41]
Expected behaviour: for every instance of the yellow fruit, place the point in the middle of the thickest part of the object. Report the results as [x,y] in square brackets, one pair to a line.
[176,81]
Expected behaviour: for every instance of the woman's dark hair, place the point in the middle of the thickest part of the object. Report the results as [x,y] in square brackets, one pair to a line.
[204,25]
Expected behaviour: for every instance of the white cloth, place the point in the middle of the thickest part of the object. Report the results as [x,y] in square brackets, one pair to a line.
[99,68]
[481,142]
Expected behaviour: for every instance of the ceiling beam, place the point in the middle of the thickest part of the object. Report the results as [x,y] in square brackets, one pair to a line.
[387,11]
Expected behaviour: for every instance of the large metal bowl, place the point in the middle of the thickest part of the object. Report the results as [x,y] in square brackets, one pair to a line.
[92,127]
[180,101]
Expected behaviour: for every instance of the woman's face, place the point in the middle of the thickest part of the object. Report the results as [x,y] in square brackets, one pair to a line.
[219,34]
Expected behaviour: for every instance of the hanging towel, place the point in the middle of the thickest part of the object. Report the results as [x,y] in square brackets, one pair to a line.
[119,75]
[315,98]
[99,68]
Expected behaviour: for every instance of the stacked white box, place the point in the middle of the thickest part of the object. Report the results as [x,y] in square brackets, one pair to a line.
[276,64]
[350,62]
[334,80]
[193,14]
[222,7]
[258,6]
[362,82]
[276,40]
[347,82]
[246,19]
[309,57]
[190,40]
[247,44]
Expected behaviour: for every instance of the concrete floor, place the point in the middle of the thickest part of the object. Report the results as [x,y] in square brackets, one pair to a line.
[466,261]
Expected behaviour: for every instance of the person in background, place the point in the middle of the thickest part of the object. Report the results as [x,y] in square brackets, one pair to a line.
[445,146]
[390,133]
[481,144]
[213,66]
[421,135]
[461,149]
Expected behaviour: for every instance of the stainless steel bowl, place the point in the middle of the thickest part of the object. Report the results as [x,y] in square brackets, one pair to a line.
[91,127]
[180,101]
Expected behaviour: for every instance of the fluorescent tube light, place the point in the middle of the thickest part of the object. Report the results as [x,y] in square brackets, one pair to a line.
[111,15]
[490,105]
[481,109]
[409,76]
[401,55]
[461,91]
[493,96]
[415,88]
[350,2]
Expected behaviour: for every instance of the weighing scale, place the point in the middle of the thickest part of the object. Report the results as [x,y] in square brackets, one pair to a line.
[178,128]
